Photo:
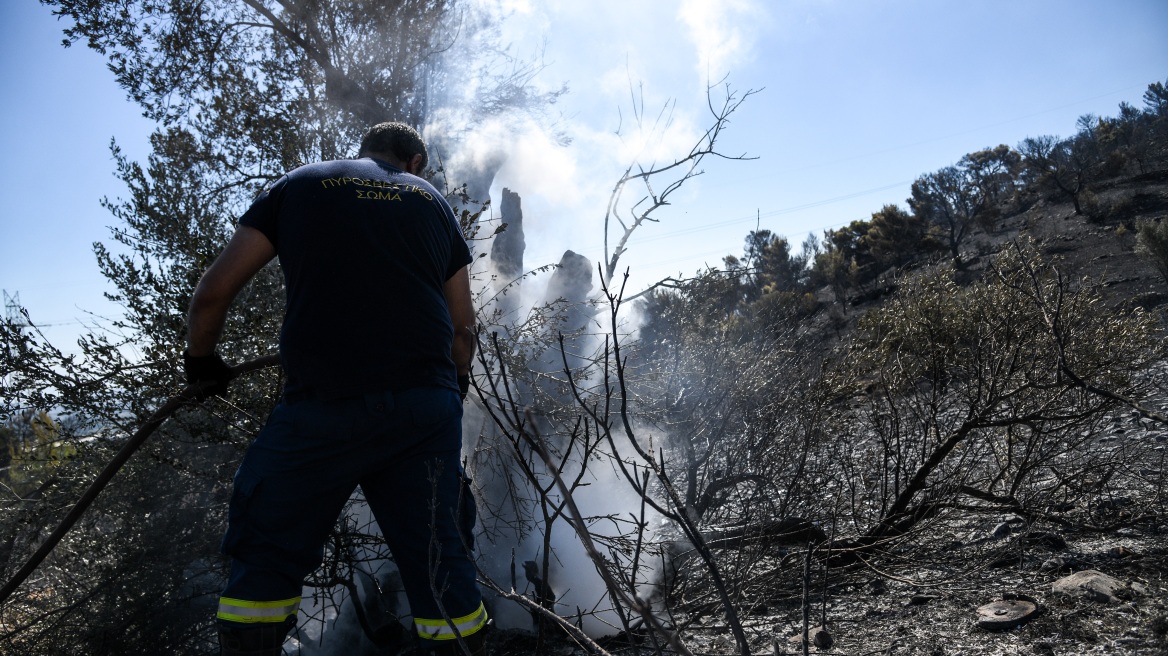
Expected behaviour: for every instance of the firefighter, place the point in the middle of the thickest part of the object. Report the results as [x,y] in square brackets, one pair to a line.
[376,347]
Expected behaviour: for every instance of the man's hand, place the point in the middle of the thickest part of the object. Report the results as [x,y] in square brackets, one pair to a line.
[209,371]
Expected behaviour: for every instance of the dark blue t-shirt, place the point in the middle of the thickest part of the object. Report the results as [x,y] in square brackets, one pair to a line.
[366,249]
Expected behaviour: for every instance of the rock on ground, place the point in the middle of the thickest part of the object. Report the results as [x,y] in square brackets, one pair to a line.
[1091,584]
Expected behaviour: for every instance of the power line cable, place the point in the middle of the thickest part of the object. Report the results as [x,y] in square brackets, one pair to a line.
[542,257]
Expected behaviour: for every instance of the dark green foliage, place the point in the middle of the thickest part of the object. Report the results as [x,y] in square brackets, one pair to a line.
[775,268]
[966,196]
[856,255]
[1156,99]
[897,238]
[851,243]
[834,269]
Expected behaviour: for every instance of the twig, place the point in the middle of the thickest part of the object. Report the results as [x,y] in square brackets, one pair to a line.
[564,624]
[576,519]
[687,524]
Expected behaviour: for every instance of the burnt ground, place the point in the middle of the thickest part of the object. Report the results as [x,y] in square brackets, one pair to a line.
[886,612]
[1099,246]
[931,609]
[930,606]
[926,602]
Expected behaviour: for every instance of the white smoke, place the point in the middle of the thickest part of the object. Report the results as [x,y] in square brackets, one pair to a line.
[512,532]
[565,192]
[723,33]
[332,612]
[637,75]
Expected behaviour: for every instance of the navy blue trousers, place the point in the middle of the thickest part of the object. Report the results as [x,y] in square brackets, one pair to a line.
[404,450]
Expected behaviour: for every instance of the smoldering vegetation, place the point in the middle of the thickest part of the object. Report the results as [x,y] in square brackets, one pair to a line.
[772,468]
[709,466]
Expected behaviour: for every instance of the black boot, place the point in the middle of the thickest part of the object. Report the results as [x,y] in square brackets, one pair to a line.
[259,640]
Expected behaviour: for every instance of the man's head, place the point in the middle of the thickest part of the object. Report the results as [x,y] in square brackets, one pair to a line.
[397,141]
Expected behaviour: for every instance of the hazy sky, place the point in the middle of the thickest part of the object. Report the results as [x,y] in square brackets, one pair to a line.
[857,99]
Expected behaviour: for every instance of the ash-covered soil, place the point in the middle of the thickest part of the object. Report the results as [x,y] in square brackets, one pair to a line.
[926,601]
[933,608]
[1100,246]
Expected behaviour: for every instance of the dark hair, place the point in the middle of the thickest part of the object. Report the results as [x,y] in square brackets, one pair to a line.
[397,139]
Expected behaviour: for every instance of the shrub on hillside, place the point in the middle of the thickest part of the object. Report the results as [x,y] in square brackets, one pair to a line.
[1152,242]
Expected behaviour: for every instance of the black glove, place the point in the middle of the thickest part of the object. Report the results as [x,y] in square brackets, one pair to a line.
[210,371]
[463,385]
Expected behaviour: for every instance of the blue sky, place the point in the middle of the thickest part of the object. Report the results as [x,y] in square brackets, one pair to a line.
[858,99]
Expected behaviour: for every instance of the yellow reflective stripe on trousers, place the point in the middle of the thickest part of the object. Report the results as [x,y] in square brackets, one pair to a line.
[441,629]
[252,612]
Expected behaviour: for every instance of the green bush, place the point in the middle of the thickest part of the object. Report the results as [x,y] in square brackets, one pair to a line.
[1152,242]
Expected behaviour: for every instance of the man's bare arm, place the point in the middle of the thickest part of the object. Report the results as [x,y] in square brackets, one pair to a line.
[247,252]
[458,300]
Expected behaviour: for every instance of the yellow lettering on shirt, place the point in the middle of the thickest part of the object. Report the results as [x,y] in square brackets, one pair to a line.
[377,195]
[392,191]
